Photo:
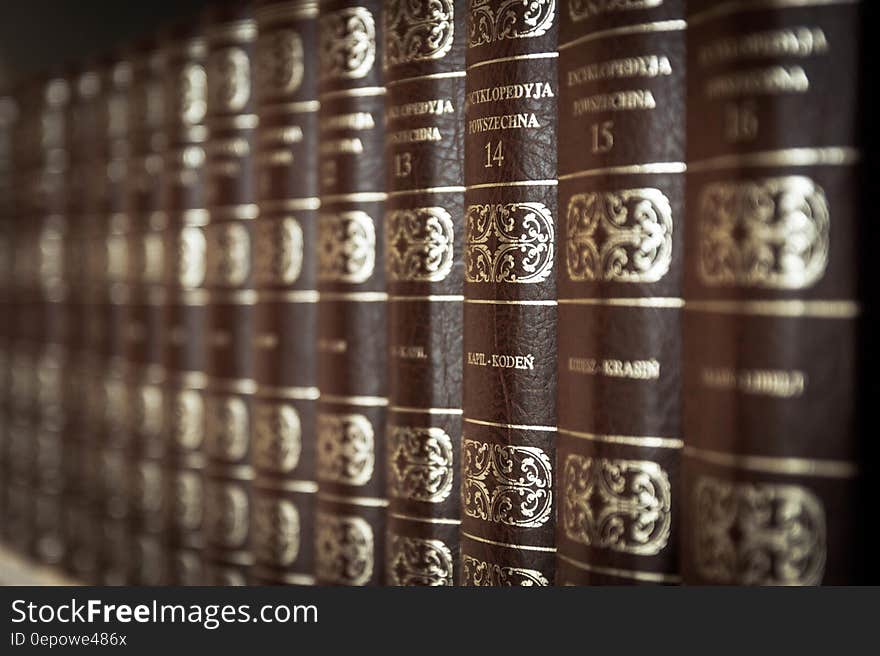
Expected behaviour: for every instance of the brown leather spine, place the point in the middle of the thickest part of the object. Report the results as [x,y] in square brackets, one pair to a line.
[771,470]
[80,518]
[509,430]
[8,126]
[230,197]
[621,200]
[424,160]
[351,508]
[110,321]
[145,325]
[285,249]
[183,353]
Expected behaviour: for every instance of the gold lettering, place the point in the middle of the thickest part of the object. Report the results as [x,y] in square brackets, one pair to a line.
[332,345]
[506,122]
[405,352]
[354,121]
[786,42]
[773,80]
[415,135]
[439,107]
[342,146]
[649,66]
[536,90]
[761,382]
[617,101]
[612,368]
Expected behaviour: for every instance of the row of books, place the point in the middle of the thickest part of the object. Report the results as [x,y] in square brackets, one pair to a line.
[423,292]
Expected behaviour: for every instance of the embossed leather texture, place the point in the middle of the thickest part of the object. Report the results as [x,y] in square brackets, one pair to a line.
[772,471]
[424,231]
[621,248]
[509,429]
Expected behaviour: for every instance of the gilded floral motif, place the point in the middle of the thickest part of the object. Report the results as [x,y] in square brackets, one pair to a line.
[420,463]
[419,244]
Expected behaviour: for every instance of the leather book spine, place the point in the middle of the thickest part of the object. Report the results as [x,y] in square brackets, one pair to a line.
[424,172]
[8,126]
[144,330]
[52,287]
[621,201]
[285,276]
[509,382]
[183,352]
[79,522]
[114,225]
[230,196]
[352,339]
[771,366]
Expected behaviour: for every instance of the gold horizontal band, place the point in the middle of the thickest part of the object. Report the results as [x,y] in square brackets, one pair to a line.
[293,393]
[810,309]
[515,183]
[431,298]
[197,380]
[830,156]
[301,107]
[288,295]
[524,547]
[630,169]
[232,296]
[354,297]
[427,76]
[366,502]
[776,465]
[364,401]
[358,92]
[290,205]
[426,411]
[425,520]
[195,217]
[355,197]
[217,470]
[641,28]
[302,487]
[426,190]
[526,427]
[635,575]
[243,212]
[492,301]
[244,30]
[653,302]
[736,6]
[501,60]
[236,122]
[189,297]
[232,385]
[627,440]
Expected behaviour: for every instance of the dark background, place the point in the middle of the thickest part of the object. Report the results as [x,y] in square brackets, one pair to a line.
[38,36]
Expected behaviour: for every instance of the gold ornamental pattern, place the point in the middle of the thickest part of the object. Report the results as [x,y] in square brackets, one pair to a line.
[187,419]
[507,484]
[346,448]
[346,247]
[146,411]
[276,531]
[347,44]
[227,515]
[189,265]
[419,244]
[619,505]
[492,21]
[149,489]
[478,572]
[344,549]
[419,561]
[228,254]
[227,428]
[190,93]
[619,236]
[585,9]
[771,233]
[280,247]
[188,504]
[758,533]
[508,242]
[279,63]
[420,463]
[417,30]
[277,436]
[229,79]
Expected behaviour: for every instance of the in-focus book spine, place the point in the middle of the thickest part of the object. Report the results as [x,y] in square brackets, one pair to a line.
[423,62]
[509,431]
[621,238]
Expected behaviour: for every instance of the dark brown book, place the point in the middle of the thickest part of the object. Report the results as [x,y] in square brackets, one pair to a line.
[621,237]
[144,331]
[230,197]
[285,322]
[183,356]
[424,159]
[113,297]
[771,372]
[509,430]
[351,344]
[8,123]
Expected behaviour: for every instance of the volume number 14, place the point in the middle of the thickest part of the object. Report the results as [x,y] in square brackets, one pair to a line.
[494,155]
